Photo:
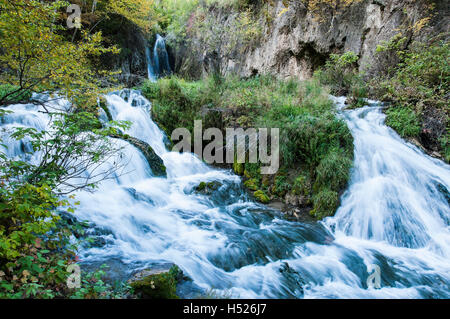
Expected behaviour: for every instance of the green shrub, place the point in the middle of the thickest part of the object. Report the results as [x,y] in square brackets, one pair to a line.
[339,72]
[419,83]
[302,185]
[35,244]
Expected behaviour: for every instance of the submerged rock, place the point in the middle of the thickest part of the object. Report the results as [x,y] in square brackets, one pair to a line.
[207,187]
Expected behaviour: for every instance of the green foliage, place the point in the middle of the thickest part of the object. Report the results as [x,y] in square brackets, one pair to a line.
[93,286]
[422,74]
[302,185]
[325,203]
[404,121]
[281,186]
[36,55]
[333,170]
[13,94]
[66,141]
[35,246]
[341,75]
[176,102]
[418,84]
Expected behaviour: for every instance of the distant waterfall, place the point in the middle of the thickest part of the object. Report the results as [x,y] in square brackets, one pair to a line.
[158,65]
[152,76]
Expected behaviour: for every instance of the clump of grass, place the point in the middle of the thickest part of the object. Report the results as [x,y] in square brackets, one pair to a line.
[404,121]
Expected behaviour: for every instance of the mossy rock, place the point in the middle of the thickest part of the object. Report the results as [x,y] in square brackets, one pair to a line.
[261,197]
[207,187]
[154,161]
[103,105]
[156,283]
[201,187]
[251,184]
[239,168]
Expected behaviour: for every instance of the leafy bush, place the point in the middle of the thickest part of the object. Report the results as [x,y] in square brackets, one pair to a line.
[35,245]
[339,72]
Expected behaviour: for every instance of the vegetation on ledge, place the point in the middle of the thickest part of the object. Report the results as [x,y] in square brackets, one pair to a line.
[415,86]
[316,147]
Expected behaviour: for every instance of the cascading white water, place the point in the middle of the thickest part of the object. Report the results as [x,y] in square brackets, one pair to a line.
[152,76]
[161,57]
[395,214]
[158,65]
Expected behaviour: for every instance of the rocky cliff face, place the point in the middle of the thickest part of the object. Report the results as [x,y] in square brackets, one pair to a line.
[296,42]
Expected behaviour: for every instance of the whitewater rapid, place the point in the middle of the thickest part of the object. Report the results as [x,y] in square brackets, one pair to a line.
[395,214]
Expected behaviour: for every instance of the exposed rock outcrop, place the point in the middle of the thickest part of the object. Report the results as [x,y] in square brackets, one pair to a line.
[297,41]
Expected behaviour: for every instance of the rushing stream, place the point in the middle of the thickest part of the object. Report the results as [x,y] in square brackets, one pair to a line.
[395,214]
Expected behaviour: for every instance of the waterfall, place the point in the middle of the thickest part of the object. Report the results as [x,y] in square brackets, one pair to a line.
[152,76]
[161,57]
[158,65]
[395,214]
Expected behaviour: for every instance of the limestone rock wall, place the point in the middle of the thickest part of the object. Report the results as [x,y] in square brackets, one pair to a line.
[297,42]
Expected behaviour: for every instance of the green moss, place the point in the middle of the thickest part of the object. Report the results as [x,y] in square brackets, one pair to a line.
[158,286]
[214,185]
[207,188]
[251,184]
[238,168]
[261,197]
[201,187]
